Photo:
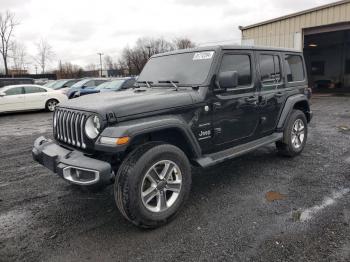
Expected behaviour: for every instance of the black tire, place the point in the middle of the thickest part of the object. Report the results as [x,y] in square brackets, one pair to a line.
[286,147]
[49,104]
[128,184]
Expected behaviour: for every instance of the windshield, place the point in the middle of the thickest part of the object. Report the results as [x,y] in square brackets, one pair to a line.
[58,84]
[115,84]
[185,69]
[80,83]
[50,84]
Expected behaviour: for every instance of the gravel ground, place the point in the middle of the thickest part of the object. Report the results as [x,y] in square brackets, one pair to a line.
[259,207]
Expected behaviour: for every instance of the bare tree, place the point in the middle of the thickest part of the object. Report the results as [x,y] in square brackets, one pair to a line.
[183,43]
[91,67]
[19,56]
[108,62]
[68,70]
[7,25]
[44,55]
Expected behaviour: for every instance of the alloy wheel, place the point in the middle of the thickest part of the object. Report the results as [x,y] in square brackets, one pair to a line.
[161,186]
[51,105]
[298,133]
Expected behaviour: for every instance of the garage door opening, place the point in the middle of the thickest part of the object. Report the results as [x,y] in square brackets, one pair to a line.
[327,56]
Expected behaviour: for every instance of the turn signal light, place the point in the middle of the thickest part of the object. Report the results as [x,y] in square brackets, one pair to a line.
[122,140]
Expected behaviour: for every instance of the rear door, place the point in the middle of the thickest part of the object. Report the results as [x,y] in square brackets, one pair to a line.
[13,100]
[272,93]
[35,97]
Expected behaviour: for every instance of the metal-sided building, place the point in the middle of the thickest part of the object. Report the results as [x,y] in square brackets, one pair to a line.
[323,33]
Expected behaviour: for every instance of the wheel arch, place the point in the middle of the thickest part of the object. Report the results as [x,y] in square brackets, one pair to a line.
[51,98]
[172,135]
[299,102]
[167,129]
[303,106]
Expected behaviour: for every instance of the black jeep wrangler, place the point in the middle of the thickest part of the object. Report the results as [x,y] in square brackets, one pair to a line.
[197,107]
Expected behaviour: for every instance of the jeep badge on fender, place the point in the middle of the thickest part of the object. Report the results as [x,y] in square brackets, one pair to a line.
[145,139]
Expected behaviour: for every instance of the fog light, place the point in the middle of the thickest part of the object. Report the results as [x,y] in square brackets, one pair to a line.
[81,176]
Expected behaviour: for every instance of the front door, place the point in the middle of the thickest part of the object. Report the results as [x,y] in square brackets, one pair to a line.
[35,97]
[235,116]
[272,90]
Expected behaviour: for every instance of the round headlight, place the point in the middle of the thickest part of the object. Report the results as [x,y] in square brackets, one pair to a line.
[92,127]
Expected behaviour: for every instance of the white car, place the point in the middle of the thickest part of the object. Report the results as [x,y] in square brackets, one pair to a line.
[29,97]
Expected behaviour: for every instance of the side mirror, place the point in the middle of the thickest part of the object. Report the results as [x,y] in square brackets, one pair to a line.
[228,79]
[2,94]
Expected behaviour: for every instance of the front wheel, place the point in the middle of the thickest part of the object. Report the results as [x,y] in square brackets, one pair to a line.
[294,135]
[152,184]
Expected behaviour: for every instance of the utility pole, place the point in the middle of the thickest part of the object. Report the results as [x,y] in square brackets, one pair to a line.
[36,69]
[100,54]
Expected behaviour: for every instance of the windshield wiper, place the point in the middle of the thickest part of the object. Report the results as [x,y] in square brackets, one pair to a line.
[147,83]
[174,83]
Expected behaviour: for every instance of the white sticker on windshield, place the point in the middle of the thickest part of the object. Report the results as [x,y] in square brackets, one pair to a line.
[203,55]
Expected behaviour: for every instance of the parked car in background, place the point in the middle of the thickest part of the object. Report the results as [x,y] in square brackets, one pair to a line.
[64,84]
[85,83]
[41,81]
[29,97]
[15,81]
[117,84]
[50,83]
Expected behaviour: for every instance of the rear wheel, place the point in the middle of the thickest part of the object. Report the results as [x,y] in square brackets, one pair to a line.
[294,136]
[51,105]
[152,184]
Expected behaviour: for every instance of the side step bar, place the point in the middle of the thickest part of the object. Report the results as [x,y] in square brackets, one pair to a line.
[218,157]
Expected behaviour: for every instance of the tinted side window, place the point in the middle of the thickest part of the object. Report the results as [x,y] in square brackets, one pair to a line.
[241,64]
[294,68]
[267,69]
[33,89]
[278,73]
[90,83]
[128,83]
[14,91]
[98,82]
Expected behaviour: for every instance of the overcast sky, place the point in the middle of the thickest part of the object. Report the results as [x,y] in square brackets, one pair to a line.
[78,29]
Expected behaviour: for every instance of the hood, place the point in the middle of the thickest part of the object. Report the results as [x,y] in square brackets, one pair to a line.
[131,102]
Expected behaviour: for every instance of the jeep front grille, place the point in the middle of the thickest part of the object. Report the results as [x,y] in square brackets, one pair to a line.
[69,127]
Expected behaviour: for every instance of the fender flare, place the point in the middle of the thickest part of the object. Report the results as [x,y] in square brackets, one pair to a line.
[288,107]
[148,125]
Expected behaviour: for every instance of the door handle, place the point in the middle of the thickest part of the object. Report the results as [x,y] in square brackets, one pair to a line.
[216,106]
[279,94]
[251,99]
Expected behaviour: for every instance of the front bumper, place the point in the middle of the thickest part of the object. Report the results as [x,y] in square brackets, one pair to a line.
[71,165]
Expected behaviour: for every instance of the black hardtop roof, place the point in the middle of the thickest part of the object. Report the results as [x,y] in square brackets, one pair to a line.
[229,47]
